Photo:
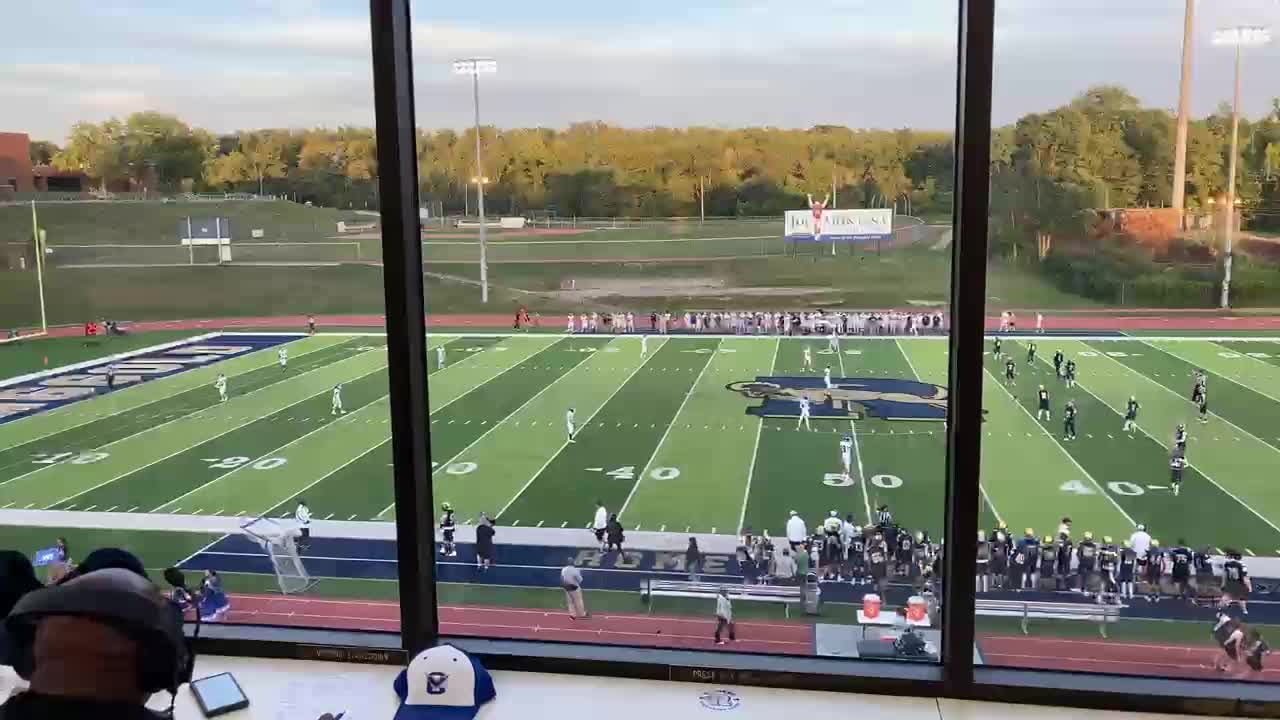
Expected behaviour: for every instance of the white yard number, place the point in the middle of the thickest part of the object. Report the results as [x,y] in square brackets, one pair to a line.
[584,349]
[627,472]
[1229,354]
[473,348]
[1076,487]
[1117,353]
[87,458]
[852,352]
[1124,488]
[664,473]
[837,480]
[888,482]
[1087,353]
[1258,355]
[236,461]
[461,468]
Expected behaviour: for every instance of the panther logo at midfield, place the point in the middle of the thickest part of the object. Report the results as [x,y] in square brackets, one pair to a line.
[849,399]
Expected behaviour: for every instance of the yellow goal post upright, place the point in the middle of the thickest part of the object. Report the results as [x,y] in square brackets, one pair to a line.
[38,242]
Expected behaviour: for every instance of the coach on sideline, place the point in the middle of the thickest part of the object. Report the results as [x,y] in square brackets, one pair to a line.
[571,582]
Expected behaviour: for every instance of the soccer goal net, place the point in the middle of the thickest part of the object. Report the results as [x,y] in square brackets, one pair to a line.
[279,541]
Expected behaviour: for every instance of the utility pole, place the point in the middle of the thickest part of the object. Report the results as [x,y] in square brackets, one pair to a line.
[1184,112]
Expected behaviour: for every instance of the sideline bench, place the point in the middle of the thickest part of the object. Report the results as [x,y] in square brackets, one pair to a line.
[786,594]
[1101,614]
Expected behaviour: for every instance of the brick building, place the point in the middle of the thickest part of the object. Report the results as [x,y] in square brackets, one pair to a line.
[15,163]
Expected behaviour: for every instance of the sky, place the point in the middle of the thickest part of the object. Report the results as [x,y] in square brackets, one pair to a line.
[237,64]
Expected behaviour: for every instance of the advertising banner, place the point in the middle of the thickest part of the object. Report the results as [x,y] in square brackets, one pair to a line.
[839,225]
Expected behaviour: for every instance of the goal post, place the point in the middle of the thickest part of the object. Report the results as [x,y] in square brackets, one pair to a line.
[280,543]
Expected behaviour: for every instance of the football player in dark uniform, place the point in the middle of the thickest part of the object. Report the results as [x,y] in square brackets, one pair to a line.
[1255,648]
[1128,565]
[1031,353]
[1048,562]
[921,562]
[1042,412]
[1069,421]
[1181,561]
[1058,359]
[1199,386]
[1236,584]
[982,571]
[857,556]
[1108,559]
[1086,560]
[996,349]
[448,526]
[1180,440]
[999,563]
[878,562]
[1155,569]
[1071,373]
[1177,464]
[1203,406]
[1023,571]
[1010,371]
[1131,415]
[1062,574]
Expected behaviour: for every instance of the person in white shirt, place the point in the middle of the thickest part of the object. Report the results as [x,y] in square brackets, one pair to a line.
[808,358]
[569,324]
[595,322]
[833,342]
[337,401]
[221,385]
[569,423]
[724,616]
[826,377]
[804,413]
[599,524]
[582,322]
[797,531]
[631,322]
[571,583]
[644,345]
[282,355]
[302,515]
[439,356]
[1140,541]
[1039,323]
[846,454]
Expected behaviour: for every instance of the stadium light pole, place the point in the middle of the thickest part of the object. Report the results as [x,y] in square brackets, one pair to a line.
[475,67]
[1178,197]
[1239,37]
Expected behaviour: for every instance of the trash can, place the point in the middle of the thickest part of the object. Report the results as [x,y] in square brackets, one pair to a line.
[811,595]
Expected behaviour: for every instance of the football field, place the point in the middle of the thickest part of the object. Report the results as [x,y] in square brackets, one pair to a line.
[681,438]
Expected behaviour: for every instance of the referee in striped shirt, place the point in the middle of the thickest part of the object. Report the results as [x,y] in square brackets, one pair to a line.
[884,518]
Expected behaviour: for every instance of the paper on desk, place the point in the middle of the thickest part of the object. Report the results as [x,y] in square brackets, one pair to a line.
[309,699]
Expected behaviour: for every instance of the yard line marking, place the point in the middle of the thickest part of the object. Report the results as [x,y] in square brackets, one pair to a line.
[510,415]
[1250,552]
[192,416]
[90,508]
[585,423]
[1161,443]
[270,453]
[751,469]
[353,517]
[540,523]
[857,452]
[205,440]
[565,523]
[8,505]
[1060,446]
[135,507]
[94,418]
[656,448]
[326,517]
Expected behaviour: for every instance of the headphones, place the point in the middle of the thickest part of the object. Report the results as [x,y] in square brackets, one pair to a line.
[116,597]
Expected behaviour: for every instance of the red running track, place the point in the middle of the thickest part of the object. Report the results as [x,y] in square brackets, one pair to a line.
[1110,656]
[513,623]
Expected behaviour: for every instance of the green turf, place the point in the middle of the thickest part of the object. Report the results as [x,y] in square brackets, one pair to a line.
[42,353]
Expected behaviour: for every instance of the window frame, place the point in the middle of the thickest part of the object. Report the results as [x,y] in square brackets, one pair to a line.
[956,676]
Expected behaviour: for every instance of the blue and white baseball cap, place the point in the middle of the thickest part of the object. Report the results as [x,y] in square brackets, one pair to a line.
[443,683]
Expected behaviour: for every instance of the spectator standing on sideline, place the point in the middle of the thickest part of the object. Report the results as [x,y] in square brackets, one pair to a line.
[613,534]
[484,543]
[724,616]
[797,532]
[600,523]
[303,516]
[693,559]
[784,568]
[571,583]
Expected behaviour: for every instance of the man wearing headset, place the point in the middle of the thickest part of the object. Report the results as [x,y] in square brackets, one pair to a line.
[97,645]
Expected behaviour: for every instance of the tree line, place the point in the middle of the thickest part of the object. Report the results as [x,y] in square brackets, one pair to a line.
[1103,149]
